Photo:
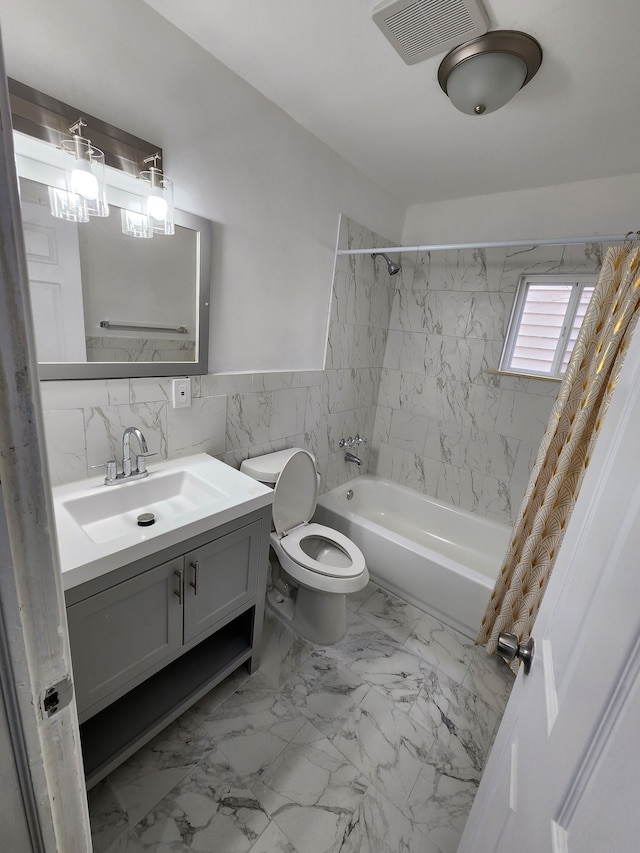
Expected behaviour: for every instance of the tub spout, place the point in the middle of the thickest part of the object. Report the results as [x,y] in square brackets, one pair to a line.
[349,457]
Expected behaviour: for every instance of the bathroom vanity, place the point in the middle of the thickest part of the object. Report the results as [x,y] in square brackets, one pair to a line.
[158,615]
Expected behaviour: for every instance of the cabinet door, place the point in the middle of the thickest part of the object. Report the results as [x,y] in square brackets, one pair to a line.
[120,634]
[220,577]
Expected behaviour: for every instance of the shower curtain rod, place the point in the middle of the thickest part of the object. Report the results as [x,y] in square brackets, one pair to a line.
[554,241]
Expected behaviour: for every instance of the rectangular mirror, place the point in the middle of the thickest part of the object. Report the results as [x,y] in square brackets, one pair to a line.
[107,305]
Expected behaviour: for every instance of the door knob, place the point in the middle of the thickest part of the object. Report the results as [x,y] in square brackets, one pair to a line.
[509,649]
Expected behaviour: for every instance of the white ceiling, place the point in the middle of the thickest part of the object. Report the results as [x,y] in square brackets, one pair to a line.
[326,64]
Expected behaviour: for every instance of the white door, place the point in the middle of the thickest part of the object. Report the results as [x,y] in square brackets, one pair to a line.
[45,808]
[564,772]
[55,283]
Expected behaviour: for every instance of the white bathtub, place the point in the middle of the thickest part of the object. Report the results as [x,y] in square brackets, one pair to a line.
[441,558]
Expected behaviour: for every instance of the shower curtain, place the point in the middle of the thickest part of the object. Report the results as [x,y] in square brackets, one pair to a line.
[577,415]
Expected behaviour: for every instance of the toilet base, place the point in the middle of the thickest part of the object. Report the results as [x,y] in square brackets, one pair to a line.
[318,617]
[281,606]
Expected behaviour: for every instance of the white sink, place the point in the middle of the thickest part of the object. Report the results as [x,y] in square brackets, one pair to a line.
[113,512]
[97,525]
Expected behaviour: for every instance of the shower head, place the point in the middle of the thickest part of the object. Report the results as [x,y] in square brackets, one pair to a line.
[392,267]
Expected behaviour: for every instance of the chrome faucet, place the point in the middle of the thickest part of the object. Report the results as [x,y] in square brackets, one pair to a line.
[349,457]
[141,468]
[127,474]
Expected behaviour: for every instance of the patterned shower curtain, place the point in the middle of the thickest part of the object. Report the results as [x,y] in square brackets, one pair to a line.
[566,448]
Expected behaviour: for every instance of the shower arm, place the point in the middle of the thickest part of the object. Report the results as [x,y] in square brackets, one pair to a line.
[392,267]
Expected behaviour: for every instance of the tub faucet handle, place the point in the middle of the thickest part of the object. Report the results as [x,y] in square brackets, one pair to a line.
[358,440]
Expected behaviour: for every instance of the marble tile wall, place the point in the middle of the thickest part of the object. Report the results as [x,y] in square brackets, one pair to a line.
[360,309]
[232,416]
[444,426]
[139,349]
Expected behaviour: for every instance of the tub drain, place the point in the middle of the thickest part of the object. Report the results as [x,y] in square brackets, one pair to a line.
[146,519]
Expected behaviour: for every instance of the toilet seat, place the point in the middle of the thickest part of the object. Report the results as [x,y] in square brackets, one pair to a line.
[314,580]
[292,545]
[294,502]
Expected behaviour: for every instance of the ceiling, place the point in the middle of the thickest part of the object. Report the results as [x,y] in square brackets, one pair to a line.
[326,64]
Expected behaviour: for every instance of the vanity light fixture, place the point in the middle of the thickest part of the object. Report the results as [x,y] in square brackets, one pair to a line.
[154,213]
[158,196]
[85,180]
[81,192]
[483,74]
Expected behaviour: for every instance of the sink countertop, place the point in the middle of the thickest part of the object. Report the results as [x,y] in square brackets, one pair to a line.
[85,556]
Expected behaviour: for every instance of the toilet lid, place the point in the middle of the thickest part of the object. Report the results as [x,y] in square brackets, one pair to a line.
[296,493]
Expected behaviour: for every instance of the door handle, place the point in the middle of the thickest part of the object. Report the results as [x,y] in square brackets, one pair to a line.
[196,576]
[509,649]
[179,573]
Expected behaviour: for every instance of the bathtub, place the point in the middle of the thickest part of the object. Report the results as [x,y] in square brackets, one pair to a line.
[443,559]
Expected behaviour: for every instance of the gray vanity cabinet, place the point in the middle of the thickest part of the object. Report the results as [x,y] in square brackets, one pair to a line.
[122,633]
[152,637]
[220,577]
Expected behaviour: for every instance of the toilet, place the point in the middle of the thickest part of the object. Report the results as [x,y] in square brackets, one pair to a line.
[313,567]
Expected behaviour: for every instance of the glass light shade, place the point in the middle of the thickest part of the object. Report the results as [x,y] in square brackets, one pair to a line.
[159,201]
[84,173]
[486,82]
[64,205]
[135,223]
[134,218]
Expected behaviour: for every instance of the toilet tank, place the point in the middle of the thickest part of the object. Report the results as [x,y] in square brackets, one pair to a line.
[267,468]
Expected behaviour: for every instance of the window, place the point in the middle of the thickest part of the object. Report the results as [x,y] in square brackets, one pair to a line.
[547,314]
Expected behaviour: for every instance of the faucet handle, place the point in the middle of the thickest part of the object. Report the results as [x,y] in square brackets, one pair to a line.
[141,461]
[111,470]
[358,440]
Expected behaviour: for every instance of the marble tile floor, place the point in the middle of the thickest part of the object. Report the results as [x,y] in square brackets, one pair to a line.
[374,744]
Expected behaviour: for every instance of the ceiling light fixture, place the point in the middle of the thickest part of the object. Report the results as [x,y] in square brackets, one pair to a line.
[85,180]
[482,75]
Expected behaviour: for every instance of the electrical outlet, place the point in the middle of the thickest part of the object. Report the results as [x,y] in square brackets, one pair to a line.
[182,393]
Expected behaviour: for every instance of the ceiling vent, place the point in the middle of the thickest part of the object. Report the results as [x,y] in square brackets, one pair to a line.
[421,28]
